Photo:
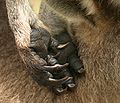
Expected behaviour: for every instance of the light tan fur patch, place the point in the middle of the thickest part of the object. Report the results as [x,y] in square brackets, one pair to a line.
[89,5]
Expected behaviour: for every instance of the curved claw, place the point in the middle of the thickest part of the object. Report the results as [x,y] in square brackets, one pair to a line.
[81,70]
[61,46]
[56,67]
[70,83]
[59,90]
[56,82]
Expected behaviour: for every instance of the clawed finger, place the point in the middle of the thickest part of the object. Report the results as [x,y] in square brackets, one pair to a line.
[63,88]
[56,82]
[56,67]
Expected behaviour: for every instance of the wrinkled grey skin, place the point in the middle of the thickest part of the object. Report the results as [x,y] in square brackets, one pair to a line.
[67,54]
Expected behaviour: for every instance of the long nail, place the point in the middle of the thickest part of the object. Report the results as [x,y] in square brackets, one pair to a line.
[61,46]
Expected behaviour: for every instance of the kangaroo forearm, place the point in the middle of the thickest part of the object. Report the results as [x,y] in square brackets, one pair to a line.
[55,22]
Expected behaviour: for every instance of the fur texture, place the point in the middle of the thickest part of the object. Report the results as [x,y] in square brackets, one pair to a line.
[97,37]
[100,50]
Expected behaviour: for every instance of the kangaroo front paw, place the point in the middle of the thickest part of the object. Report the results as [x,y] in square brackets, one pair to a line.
[49,74]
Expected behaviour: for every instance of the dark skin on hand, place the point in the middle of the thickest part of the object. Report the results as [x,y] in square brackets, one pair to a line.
[61,57]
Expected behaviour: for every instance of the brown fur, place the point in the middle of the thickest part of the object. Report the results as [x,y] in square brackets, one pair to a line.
[98,44]
[99,47]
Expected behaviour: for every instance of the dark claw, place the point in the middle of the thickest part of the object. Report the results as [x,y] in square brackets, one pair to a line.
[56,67]
[57,82]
